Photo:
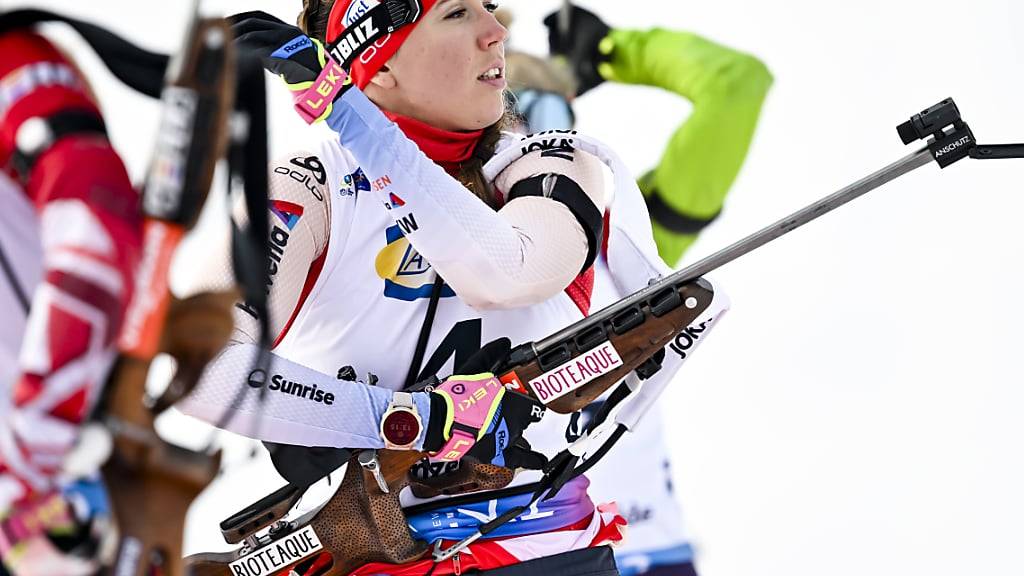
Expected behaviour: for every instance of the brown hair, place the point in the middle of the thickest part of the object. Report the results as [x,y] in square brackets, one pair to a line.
[313,21]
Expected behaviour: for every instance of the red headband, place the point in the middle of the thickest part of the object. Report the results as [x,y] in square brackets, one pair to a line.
[344,13]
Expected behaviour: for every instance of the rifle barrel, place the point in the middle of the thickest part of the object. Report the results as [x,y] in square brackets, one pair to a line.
[756,240]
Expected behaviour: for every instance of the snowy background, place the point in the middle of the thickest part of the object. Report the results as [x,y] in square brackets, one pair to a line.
[859,410]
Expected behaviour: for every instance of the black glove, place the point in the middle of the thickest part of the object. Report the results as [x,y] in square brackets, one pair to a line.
[502,444]
[283,48]
[505,445]
[286,51]
[580,44]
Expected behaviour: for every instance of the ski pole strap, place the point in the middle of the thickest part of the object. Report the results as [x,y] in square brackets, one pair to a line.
[247,176]
[376,23]
[316,102]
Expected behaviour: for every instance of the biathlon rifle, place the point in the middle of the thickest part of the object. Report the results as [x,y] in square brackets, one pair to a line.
[618,343]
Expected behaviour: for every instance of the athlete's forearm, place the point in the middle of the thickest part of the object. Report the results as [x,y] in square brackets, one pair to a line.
[490,258]
[290,403]
[684,63]
[705,154]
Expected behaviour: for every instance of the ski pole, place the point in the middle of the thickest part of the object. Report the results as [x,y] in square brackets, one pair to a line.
[564,18]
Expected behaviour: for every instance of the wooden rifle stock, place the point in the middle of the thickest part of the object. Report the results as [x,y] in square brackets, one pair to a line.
[152,483]
[395,464]
[358,525]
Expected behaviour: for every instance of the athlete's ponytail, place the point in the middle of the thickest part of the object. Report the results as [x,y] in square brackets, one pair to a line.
[313,21]
[472,173]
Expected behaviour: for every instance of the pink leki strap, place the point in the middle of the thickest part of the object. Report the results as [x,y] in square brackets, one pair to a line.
[314,102]
[32,520]
[472,403]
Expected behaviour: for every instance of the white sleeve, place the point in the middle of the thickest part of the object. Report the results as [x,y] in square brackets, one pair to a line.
[299,220]
[525,253]
[290,403]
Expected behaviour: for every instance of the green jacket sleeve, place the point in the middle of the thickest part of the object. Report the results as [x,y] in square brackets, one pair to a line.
[688,187]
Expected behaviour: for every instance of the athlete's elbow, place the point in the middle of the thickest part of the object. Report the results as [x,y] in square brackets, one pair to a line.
[227,371]
[761,78]
[746,78]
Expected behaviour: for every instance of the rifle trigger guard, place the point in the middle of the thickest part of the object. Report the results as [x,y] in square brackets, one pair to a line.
[368,460]
[442,555]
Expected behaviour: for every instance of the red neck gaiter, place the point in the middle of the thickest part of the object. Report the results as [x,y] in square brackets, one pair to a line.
[447,149]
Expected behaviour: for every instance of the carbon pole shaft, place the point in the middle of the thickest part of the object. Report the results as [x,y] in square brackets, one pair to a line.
[757,239]
[563,22]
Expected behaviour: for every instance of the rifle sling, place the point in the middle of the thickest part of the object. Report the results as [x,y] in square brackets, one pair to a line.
[139,69]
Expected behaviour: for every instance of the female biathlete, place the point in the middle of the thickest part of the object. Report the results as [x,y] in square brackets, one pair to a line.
[363,229]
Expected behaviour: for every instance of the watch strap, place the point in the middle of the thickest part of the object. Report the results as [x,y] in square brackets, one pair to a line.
[402,400]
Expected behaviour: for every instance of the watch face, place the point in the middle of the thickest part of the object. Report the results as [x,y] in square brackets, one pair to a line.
[401,428]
